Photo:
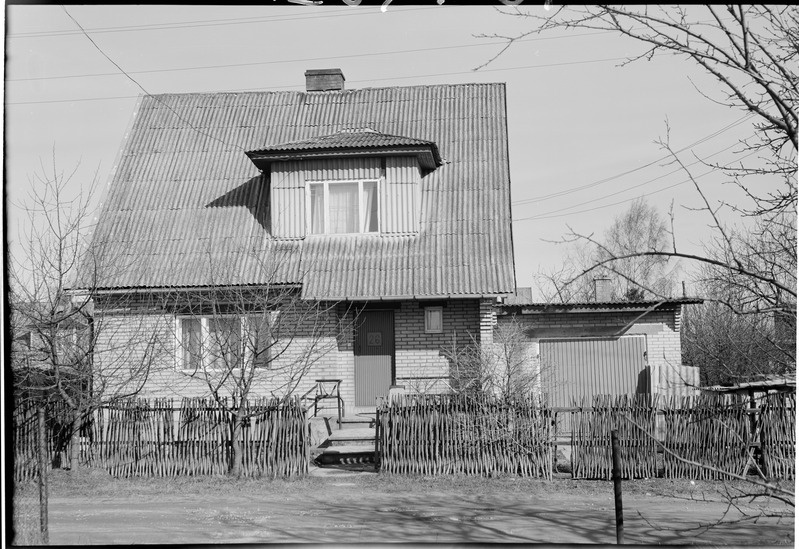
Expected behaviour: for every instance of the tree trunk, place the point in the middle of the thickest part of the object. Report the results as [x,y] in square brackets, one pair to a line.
[236,458]
[43,469]
[74,440]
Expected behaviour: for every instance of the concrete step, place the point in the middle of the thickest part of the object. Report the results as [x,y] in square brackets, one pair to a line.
[357,421]
[348,437]
[334,455]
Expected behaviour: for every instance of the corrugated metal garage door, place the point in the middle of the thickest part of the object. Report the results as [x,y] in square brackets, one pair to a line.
[583,367]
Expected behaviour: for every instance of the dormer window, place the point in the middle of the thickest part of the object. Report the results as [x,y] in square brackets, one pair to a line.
[342,207]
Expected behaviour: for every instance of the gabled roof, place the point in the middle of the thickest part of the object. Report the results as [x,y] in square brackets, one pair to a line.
[186,207]
[350,142]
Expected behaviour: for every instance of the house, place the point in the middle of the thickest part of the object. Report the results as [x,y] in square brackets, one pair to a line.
[375,222]
[601,347]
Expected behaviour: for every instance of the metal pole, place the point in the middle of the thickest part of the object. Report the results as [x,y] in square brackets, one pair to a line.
[42,428]
[614,443]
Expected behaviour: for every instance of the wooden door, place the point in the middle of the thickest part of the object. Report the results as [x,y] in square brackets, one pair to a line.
[374,356]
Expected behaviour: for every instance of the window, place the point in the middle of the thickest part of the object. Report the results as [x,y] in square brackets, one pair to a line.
[341,207]
[433,320]
[225,342]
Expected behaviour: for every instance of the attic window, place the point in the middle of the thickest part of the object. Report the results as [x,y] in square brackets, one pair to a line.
[342,207]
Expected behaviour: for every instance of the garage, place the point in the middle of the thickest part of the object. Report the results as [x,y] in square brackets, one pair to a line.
[579,368]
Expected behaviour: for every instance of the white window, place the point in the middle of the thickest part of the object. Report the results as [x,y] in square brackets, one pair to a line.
[341,207]
[433,320]
[225,342]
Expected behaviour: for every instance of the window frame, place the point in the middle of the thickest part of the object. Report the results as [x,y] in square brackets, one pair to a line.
[429,310]
[206,360]
[326,205]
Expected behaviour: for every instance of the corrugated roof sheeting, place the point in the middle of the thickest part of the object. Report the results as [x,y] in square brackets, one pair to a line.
[181,193]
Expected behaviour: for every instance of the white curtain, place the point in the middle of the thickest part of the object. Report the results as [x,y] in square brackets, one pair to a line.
[370,206]
[343,207]
[317,208]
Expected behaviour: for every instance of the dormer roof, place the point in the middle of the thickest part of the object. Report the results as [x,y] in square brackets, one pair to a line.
[347,143]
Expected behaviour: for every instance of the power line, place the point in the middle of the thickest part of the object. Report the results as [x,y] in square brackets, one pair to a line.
[206,23]
[526,67]
[565,192]
[257,63]
[142,87]
[554,214]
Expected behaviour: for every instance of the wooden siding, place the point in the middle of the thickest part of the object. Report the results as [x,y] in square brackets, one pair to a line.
[288,187]
[399,200]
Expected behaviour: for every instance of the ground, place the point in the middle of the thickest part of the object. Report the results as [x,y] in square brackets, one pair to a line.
[342,507]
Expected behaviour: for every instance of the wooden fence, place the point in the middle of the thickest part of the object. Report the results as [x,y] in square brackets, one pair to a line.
[591,422]
[58,427]
[706,436]
[445,434]
[143,438]
[778,435]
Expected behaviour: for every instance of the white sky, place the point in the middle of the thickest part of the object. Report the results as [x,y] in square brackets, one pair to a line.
[576,119]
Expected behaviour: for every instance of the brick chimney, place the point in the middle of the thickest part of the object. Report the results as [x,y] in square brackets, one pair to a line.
[602,290]
[324,80]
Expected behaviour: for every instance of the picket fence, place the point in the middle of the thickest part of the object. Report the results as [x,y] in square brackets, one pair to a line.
[446,434]
[143,438]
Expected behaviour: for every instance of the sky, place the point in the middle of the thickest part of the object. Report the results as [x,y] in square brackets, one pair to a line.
[581,128]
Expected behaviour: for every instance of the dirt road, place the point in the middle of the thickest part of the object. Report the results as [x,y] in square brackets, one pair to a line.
[339,508]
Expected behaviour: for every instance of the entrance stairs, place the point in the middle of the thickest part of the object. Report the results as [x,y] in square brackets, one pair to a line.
[350,441]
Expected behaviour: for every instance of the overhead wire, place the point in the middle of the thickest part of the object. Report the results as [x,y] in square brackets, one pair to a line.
[188,123]
[556,213]
[571,190]
[302,60]
[206,23]
[259,88]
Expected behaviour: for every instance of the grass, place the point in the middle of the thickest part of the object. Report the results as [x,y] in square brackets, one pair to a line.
[88,482]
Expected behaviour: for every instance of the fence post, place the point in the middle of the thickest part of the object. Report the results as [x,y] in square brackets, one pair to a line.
[614,442]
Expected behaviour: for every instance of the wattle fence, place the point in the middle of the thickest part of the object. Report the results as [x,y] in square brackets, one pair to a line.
[633,417]
[445,434]
[705,437]
[157,438]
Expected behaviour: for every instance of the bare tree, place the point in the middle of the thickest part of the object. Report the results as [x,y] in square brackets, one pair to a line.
[641,228]
[246,342]
[53,275]
[508,369]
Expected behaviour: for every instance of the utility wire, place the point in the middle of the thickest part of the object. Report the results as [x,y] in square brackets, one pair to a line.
[207,23]
[565,192]
[142,87]
[262,88]
[555,213]
[257,63]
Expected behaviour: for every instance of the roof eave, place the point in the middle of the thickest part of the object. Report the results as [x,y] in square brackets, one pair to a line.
[428,157]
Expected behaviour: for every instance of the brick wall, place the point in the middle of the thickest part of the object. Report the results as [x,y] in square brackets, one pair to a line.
[138,335]
[419,354]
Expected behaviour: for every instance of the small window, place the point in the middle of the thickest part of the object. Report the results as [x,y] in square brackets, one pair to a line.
[433,320]
[342,207]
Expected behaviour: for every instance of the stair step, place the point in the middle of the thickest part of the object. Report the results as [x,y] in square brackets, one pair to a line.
[354,436]
[346,455]
[357,421]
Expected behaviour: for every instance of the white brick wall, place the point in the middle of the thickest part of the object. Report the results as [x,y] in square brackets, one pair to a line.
[143,330]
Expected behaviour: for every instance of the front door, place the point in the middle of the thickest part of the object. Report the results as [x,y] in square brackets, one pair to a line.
[374,356]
